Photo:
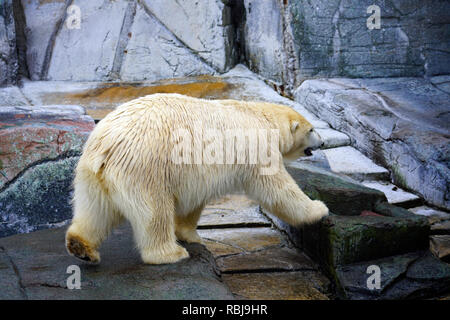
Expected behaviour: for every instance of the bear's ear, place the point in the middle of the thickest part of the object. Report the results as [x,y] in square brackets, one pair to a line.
[294,126]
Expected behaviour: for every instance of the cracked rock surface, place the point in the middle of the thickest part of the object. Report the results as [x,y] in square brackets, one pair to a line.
[400,123]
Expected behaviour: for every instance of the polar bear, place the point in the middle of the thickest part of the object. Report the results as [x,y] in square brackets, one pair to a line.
[127,170]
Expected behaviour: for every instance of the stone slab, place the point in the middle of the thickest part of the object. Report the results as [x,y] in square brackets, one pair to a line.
[416,275]
[430,212]
[42,19]
[232,211]
[440,246]
[88,53]
[349,161]
[394,194]
[100,98]
[332,38]
[297,285]
[341,194]
[440,227]
[275,259]
[41,262]
[333,138]
[317,159]
[240,240]
[442,82]
[264,48]
[11,289]
[340,240]
[39,199]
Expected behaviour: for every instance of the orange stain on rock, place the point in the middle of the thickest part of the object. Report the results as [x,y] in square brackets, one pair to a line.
[123,93]
[102,100]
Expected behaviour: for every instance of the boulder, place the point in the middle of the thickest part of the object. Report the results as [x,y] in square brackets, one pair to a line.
[29,135]
[340,240]
[342,195]
[402,124]
[415,275]
[40,198]
[38,153]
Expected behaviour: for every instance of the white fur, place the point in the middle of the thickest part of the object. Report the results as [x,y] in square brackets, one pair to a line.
[126,171]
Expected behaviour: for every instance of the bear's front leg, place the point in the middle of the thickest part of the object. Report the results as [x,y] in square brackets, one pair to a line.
[154,232]
[280,194]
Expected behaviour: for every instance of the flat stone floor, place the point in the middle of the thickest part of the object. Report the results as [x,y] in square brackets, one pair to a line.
[243,257]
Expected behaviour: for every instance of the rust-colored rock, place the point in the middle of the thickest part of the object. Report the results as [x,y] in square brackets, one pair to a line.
[29,135]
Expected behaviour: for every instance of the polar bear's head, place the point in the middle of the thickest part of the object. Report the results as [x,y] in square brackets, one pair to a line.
[299,138]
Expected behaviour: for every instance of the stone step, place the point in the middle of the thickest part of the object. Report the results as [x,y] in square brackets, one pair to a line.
[439,220]
[394,194]
[349,161]
[333,138]
[225,242]
[431,213]
[232,211]
[268,260]
[251,260]
[297,285]
[440,246]
[440,228]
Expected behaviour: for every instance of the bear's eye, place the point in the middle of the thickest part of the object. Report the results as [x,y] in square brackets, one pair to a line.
[312,129]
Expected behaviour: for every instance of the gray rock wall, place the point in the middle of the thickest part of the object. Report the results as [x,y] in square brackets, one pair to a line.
[284,41]
[127,40]
[288,41]
[332,38]
[8,57]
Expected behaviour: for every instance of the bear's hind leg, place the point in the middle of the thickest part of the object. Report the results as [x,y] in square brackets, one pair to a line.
[94,217]
[186,226]
[280,194]
[154,230]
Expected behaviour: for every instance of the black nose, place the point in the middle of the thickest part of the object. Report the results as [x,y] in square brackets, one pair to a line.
[323,143]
